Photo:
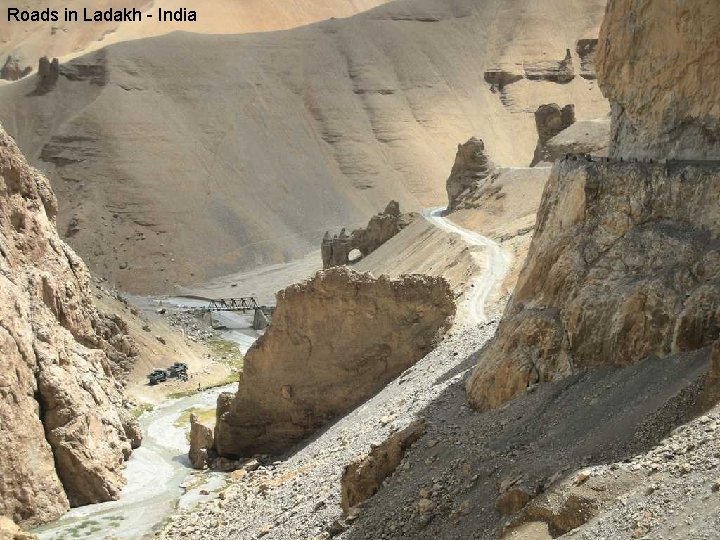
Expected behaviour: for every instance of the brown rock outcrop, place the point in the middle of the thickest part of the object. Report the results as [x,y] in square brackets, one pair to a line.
[382,227]
[583,137]
[658,63]
[335,340]
[550,120]
[10,531]
[12,71]
[335,251]
[48,73]
[586,49]
[62,420]
[568,504]
[472,168]
[202,441]
[363,477]
[562,71]
[623,265]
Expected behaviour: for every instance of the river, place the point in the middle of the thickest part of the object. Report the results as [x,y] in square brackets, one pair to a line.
[159,477]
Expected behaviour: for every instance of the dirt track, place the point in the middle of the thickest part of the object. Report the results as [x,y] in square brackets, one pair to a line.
[299,496]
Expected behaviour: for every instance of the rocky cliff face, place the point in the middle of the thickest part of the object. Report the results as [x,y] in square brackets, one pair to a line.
[550,120]
[12,70]
[64,427]
[382,227]
[658,62]
[623,265]
[583,137]
[471,169]
[586,49]
[335,340]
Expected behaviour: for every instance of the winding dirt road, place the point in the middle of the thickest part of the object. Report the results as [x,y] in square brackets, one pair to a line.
[494,261]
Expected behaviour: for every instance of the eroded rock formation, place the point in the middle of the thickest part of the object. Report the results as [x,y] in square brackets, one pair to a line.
[12,71]
[472,168]
[10,531]
[48,73]
[550,120]
[623,265]
[658,63]
[202,441]
[382,227]
[562,71]
[66,432]
[586,49]
[583,137]
[363,476]
[499,78]
[335,340]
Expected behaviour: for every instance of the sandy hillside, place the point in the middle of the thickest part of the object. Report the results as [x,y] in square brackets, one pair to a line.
[421,248]
[66,40]
[184,157]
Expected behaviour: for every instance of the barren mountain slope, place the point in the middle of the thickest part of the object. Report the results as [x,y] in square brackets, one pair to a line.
[29,41]
[185,157]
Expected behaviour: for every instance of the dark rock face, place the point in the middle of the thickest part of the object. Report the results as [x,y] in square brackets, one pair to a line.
[624,264]
[335,340]
[471,168]
[48,73]
[659,65]
[335,251]
[550,120]
[12,70]
[586,49]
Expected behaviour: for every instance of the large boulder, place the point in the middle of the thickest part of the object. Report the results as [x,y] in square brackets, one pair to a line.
[335,340]
[202,441]
[65,429]
[658,62]
[624,265]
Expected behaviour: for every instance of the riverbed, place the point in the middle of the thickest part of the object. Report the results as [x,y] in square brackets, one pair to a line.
[159,477]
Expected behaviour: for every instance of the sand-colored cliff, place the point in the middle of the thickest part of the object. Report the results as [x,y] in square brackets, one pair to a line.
[335,341]
[64,428]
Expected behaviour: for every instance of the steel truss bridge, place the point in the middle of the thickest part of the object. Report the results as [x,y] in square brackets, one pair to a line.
[244,304]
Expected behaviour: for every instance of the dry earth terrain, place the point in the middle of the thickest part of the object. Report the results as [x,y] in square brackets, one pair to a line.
[30,41]
[184,157]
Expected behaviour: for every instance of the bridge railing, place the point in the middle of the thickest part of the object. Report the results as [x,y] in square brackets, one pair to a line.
[244,304]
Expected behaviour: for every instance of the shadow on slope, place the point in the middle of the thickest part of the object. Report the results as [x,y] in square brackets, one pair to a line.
[594,418]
